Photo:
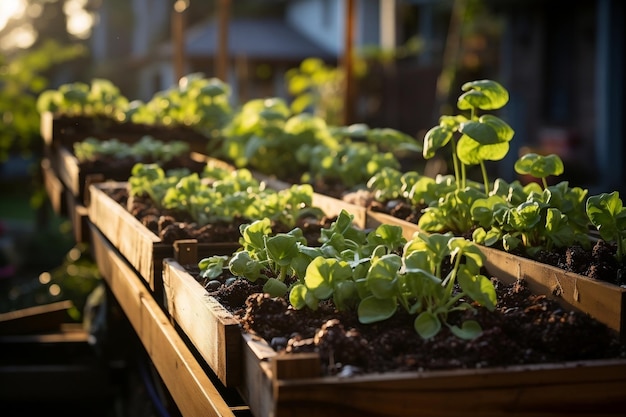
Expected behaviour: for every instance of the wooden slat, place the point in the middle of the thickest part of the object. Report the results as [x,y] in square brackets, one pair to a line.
[517,391]
[54,187]
[40,318]
[137,243]
[209,326]
[79,216]
[190,387]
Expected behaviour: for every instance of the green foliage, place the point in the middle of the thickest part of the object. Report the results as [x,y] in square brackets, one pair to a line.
[21,80]
[264,135]
[199,102]
[606,212]
[145,149]
[482,138]
[100,98]
[316,87]
[539,166]
[374,273]
[221,195]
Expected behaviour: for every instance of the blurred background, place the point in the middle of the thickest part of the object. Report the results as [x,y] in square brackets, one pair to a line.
[562,62]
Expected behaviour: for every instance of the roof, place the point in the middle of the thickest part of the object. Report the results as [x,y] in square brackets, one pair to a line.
[266,38]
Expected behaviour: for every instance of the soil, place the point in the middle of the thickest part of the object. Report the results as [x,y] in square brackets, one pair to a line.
[171,225]
[119,169]
[524,329]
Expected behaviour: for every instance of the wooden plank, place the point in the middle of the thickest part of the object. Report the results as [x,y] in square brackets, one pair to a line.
[58,130]
[69,172]
[332,207]
[136,242]
[209,326]
[518,391]
[40,318]
[190,387]
[54,188]
[78,215]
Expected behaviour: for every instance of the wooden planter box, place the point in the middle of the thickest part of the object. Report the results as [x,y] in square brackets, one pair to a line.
[54,188]
[192,388]
[290,384]
[65,131]
[145,251]
[603,301]
[78,180]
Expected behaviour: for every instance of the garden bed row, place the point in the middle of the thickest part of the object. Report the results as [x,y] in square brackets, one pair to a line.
[276,384]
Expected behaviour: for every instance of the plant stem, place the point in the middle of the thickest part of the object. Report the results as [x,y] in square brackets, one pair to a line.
[483,169]
[455,162]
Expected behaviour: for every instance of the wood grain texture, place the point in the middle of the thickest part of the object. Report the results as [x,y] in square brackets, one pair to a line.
[187,382]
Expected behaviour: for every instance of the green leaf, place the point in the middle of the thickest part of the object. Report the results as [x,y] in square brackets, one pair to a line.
[483,94]
[282,248]
[275,287]
[427,324]
[470,329]
[435,139]
[480,132]
[478,287]
[372,309]
[539,166]
[606,212]
[381,276]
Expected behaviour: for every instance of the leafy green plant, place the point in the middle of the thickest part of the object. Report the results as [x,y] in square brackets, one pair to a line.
[145,149]
[98,98]
[196,101]
[482,138]
[416,282]
[539,166]
[221,195]
[375,273]
[606,212]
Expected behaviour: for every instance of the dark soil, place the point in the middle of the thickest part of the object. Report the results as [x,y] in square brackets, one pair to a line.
[171,225]
[119,168]
[524,329]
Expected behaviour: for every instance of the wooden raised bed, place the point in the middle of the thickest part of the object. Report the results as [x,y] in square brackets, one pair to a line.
[603,301]
[291,384]
[77,180]
[145,251]
[191,387]
[65,131]
[54,187]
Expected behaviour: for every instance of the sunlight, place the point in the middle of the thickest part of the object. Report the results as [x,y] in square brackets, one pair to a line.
[9,9]
[79,20]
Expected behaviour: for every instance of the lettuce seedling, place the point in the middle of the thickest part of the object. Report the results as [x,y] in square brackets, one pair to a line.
[415,282]
[539,166]
[482,138]
[606,212]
